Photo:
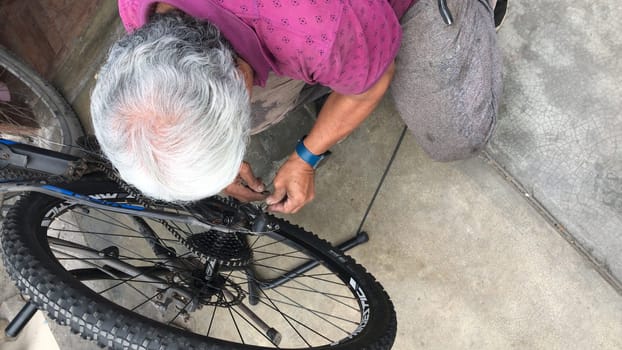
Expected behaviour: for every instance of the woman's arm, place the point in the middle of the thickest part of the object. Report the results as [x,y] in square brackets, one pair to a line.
[341,114]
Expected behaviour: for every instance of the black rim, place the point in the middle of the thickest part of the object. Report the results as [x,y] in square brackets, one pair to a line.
[27,117]
[318,308]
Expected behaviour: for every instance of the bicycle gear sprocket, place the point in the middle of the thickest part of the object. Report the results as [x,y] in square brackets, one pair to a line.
[228,249]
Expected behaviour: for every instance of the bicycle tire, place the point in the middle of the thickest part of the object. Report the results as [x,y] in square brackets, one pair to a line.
[69,125]
[39,274]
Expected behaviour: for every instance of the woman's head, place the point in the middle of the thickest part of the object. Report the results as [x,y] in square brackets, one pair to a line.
[171,110]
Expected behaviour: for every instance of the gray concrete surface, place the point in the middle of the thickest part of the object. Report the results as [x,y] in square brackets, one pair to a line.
[470,264]
[36,334]
[561,125]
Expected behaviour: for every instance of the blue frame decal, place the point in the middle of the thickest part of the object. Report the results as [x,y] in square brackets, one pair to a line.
[91,199]
[7,142]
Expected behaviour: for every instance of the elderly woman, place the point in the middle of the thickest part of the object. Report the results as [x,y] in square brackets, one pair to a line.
[179,95]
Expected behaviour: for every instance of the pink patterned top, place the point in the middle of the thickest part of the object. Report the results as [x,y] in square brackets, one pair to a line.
[344,44]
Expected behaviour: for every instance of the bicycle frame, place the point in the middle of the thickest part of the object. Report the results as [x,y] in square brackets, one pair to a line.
[67,166]
[71,168]
[29,157]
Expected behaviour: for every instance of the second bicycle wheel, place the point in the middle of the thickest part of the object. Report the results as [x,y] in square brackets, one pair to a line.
[127,283]
[32,111]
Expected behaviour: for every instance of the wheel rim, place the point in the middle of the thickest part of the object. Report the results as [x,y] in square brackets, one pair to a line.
[33,112]
[26,118]
[317,308]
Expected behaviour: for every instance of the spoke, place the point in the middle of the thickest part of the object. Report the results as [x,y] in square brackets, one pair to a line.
[65,222]
[124,258]
[300,306]
[253,325]
[284,255]
[285,317]
[121,247]
[104,221]
[255,242]
[189,229]
[298,322]
[307,308]
[103,239]
[272,243]
[313,290]
[211,321]
[125,281]
[115,220]
[330,296]
[109,234]
[322,274]
[233,318]
[134,288]
[180,312]
[227,279]
[319,316]
[187,233]
[100,268]
[121,258]
[148,300]
[129,279]
[308,289]
[299,275]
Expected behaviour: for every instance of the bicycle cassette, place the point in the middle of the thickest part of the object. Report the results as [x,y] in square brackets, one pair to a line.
[228,249]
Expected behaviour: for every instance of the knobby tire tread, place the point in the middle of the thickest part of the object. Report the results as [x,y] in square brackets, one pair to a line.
[95,318]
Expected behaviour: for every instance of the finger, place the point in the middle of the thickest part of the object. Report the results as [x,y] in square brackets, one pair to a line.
[277,197]
[289,205]
[252,196]
[243,193]
[246,173]
[294,205]
[276,208]
[285,207]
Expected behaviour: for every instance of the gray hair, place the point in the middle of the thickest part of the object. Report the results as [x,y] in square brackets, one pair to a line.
[170,109]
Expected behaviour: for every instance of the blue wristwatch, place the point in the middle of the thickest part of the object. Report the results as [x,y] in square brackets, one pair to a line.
[303,152]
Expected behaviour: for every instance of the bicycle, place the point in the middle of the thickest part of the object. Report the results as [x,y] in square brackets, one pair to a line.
[130,272]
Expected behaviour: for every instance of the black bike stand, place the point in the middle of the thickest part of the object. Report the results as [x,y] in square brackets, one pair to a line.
[358,239]
[21,320]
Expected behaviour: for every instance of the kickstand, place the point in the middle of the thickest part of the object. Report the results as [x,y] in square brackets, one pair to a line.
[359,238]
[21,320]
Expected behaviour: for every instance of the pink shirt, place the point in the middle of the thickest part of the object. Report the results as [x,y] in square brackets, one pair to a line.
[344,44]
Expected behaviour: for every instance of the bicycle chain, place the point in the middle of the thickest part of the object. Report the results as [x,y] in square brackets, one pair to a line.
[111,174]
[193,248]
[10,173]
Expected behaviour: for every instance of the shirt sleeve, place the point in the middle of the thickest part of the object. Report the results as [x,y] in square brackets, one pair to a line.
[365,44]
[128,11]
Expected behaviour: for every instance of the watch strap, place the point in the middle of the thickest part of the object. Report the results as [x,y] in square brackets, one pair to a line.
[309,157]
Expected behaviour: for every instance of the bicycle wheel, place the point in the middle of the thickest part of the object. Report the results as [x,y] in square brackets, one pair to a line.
[32,111]
[110,279]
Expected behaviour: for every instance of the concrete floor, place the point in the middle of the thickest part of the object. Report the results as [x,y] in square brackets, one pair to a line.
[469,263]
[560,129]
[460,251]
